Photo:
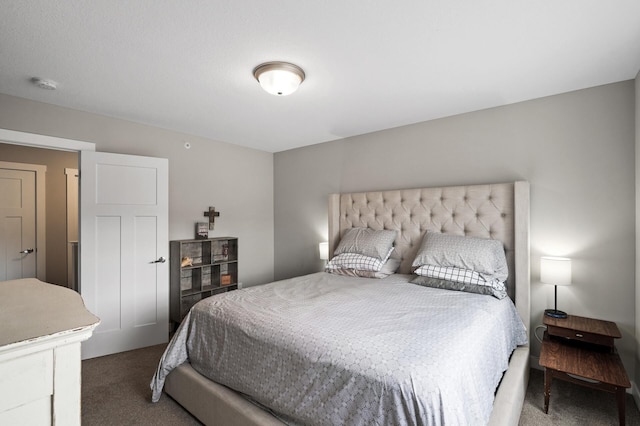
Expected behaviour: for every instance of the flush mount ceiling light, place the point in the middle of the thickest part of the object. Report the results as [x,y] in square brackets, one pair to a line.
[279,78]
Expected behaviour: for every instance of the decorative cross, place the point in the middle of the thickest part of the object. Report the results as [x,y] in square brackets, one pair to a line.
[212,214]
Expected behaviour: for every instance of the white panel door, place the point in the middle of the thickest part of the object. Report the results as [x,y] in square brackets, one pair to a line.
[17,224]
[123,250]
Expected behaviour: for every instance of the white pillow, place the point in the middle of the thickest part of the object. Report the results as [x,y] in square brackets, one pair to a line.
[357,261]
[482,255]
[390,267]
[367,242]
[452,278]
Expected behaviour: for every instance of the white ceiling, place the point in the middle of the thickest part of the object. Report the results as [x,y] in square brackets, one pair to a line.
[187,65]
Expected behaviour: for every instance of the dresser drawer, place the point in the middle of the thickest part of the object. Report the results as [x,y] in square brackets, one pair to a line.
[596,339]
[26,379]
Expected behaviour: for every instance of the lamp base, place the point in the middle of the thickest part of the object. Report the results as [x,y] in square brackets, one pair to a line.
[554,313]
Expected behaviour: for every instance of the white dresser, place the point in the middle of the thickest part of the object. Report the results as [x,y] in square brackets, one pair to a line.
[41,328]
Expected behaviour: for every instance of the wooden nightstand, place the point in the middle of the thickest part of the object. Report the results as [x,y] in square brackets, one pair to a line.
[584,347]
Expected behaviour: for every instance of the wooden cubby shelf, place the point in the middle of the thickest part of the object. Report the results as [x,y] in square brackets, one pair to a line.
[213,269]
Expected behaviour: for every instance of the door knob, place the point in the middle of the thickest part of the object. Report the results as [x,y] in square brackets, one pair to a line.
[27,251]
[162,259]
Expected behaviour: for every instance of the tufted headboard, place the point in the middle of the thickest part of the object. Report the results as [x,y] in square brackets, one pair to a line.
[497,211]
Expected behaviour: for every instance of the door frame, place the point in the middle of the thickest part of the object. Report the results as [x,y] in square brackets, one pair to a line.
[48,142]
[41,235]
[42,141]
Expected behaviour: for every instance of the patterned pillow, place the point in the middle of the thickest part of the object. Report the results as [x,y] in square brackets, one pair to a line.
[390,267]
[459,279]
[367,242]
[482,255]
[357,261]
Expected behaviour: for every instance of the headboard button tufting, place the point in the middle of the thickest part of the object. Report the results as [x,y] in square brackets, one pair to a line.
[482,211]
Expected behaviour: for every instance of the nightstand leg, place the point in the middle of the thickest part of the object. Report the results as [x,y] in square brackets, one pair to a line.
[547,389]
[621,397]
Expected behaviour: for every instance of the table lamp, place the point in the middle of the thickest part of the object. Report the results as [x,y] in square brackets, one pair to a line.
[556,271]
[324,251]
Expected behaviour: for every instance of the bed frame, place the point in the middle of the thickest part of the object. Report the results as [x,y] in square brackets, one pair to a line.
[499,211]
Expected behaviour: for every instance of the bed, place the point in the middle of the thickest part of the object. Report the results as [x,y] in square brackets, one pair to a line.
[498,212]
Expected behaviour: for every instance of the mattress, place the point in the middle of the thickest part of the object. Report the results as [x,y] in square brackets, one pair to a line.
[324,349]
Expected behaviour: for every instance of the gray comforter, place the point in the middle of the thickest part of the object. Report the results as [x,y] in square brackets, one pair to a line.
[327,350]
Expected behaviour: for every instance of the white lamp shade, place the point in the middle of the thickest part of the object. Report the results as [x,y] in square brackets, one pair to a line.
[555,270]
[324,251]
[279,82]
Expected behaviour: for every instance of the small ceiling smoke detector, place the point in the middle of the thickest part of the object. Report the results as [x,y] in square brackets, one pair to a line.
[44,83]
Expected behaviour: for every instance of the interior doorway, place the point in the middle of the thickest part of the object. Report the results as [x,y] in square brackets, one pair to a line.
[142,297]
[56,252]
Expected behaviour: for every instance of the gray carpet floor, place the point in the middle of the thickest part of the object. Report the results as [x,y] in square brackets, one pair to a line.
[115,391]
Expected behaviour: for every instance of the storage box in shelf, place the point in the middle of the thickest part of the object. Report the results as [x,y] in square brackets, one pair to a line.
[229,271]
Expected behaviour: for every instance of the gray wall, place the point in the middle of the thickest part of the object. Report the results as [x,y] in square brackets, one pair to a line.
[576,150]
[237,181]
